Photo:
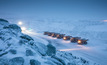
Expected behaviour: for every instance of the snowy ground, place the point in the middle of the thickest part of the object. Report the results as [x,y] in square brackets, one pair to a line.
[96,32]
[90,53]
[20,49]
[85,21]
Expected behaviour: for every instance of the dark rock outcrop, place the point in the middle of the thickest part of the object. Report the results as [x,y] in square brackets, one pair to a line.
[34,62]
[29,53]
[13,27]
[51,50]
[26,37]
[16,61]
[13,51]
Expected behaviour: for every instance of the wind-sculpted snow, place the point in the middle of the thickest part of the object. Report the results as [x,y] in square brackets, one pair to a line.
[17,48]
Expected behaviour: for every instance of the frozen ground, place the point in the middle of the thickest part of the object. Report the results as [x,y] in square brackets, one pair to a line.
[95,31]
[17,48]
[82,18]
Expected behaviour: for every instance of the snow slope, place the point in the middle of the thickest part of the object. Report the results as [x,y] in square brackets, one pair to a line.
[95,31]
[17,48]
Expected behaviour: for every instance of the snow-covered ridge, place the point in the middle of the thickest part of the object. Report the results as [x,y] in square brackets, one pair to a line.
[17,48]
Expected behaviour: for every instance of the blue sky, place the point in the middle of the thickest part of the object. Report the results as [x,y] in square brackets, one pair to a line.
[56,9]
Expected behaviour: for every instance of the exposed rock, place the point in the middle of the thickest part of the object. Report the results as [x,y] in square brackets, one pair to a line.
[2,38]
[60,60]
[6,34]
[34,62]
[29,53]
[3,20]
[3,23]
[26,37]
[3,54]
[16,61]
[13,51]
[51,50]
[22,41]
[0,50]
[8,44]
[31,42]
[83,60]
[14,27]
[41,48]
